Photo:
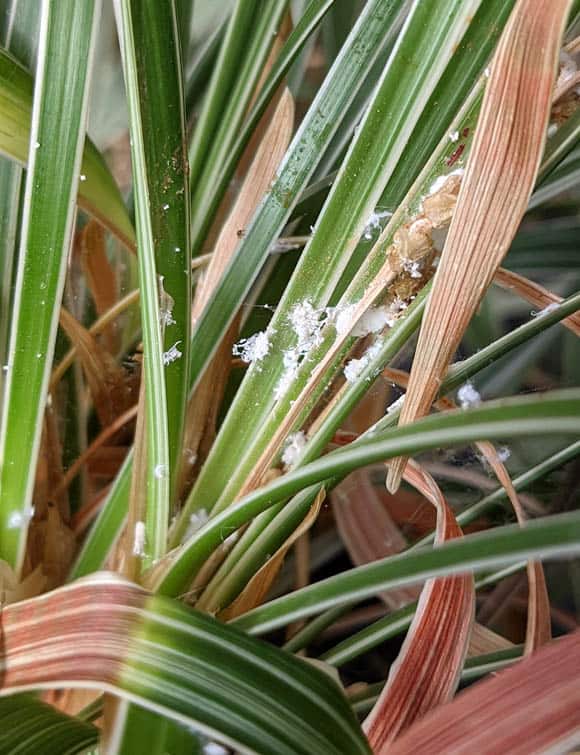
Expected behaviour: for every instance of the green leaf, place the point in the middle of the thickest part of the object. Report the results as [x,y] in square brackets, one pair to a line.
[392,625]
[218,175]
[108,525]
[548,537]
[18,33]
[221,84]
[138,730]
[181,664]
[29,727]
[162,115]
[435,27]
[555,412]
[149,212]
[98,192]
[19,26]
[363,44]
[61,96]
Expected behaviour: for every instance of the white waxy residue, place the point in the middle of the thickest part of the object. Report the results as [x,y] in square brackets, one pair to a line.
[252,349]
[546,311]
[396,405]
[172,354]
[355,367]
[160,471]
[440,181]
[196,522]
[307,323]
[374,224]
[468,396]
[212,748]
[139,539]
[413,267]
[295,444]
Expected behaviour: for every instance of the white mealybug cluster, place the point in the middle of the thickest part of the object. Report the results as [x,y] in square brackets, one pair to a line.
[196,522]
[440,181]
[139,539]
[307,323]
[374,224]
[454,136]
[372,321]
[166,317]
[212,748]
[252,349]
[160,471]
[355,367]
[503,454]
[172,354]
[18,519]
[396,405]
[343,319]
[468,396]
[546,311]
[413,267]
[295,444]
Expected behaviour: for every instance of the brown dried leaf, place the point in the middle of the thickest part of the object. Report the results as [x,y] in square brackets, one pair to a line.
[107,381]
[204,404]
[533,707]
[368,530]
[535,294]
[99,326]
[494,194]
[426,672]
[369,533]
[538,630]
[13,590]
[93,616]
[258,587]
[101,439]
[100,276]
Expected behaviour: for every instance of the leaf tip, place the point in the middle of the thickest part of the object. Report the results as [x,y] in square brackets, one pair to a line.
[395,473]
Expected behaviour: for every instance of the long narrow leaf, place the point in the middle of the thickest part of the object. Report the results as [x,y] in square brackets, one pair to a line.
[492,199]
[542,713]
[148,217]
[29,726]
[426,671]
[162,114]
[61,96]
[497,419]
[550,537]
[98,193]
[108,634]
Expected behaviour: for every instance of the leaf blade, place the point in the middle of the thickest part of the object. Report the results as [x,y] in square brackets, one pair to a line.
[511,132]
[67,38]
